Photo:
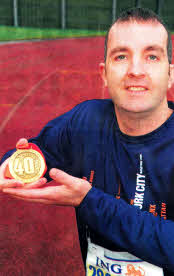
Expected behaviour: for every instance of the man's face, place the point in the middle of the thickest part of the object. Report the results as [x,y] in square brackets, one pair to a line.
[137,68]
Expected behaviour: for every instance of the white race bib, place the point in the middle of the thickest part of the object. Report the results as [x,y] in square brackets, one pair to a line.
[103,262]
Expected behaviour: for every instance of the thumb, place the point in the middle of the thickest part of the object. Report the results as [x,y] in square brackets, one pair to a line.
[3,168]
[61,177]
[22,143]
[73,189]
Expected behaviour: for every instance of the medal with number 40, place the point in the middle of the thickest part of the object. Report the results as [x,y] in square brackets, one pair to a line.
[26,164]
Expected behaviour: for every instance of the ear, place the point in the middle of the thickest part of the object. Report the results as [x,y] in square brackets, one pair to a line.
[102,69]
[171,76]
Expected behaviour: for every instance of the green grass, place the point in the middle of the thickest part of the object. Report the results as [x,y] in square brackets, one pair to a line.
[13,33]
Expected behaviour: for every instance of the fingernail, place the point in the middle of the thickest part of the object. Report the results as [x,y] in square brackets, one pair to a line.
[53,171]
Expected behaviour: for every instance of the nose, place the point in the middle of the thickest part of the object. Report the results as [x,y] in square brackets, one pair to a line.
[136,68]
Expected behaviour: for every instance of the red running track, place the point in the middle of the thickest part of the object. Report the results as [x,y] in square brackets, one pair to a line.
[39,81]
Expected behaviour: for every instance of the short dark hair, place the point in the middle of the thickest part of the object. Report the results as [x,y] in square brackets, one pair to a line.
[141,14]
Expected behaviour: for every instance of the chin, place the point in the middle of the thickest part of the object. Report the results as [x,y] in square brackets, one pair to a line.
[136,108]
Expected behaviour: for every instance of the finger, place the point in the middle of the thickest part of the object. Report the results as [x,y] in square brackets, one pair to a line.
[22,143]
[62,178]
[3,168]
[31,193]
[39,183]
[11,183]
[38,200]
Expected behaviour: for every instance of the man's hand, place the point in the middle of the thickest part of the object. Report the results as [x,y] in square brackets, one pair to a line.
[69,190]
[64,190]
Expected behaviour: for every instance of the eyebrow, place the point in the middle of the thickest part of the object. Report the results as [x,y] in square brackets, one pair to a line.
[154,48]
[117,50]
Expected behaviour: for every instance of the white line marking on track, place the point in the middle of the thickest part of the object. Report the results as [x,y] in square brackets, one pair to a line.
[22,100]
[33,89]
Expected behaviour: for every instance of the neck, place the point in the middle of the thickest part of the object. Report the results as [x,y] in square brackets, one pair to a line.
[136,124]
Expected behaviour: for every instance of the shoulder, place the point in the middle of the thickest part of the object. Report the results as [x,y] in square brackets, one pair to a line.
[92,109]
[88,114]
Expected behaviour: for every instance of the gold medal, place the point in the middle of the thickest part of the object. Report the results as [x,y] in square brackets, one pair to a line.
[27,165]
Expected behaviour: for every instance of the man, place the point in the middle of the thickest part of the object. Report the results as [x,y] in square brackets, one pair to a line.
[122,147]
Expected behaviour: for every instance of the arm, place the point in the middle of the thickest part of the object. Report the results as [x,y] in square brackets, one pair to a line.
[140,233]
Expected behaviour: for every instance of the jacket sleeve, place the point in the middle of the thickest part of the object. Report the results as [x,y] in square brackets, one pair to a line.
[140,233]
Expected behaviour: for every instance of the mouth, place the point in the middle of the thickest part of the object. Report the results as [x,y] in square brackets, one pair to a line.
[137,89]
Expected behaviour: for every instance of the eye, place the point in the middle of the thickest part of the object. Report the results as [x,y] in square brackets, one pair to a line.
[153,57]
[120,57]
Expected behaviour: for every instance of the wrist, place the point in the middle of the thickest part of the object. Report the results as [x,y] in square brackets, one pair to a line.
[84,188]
